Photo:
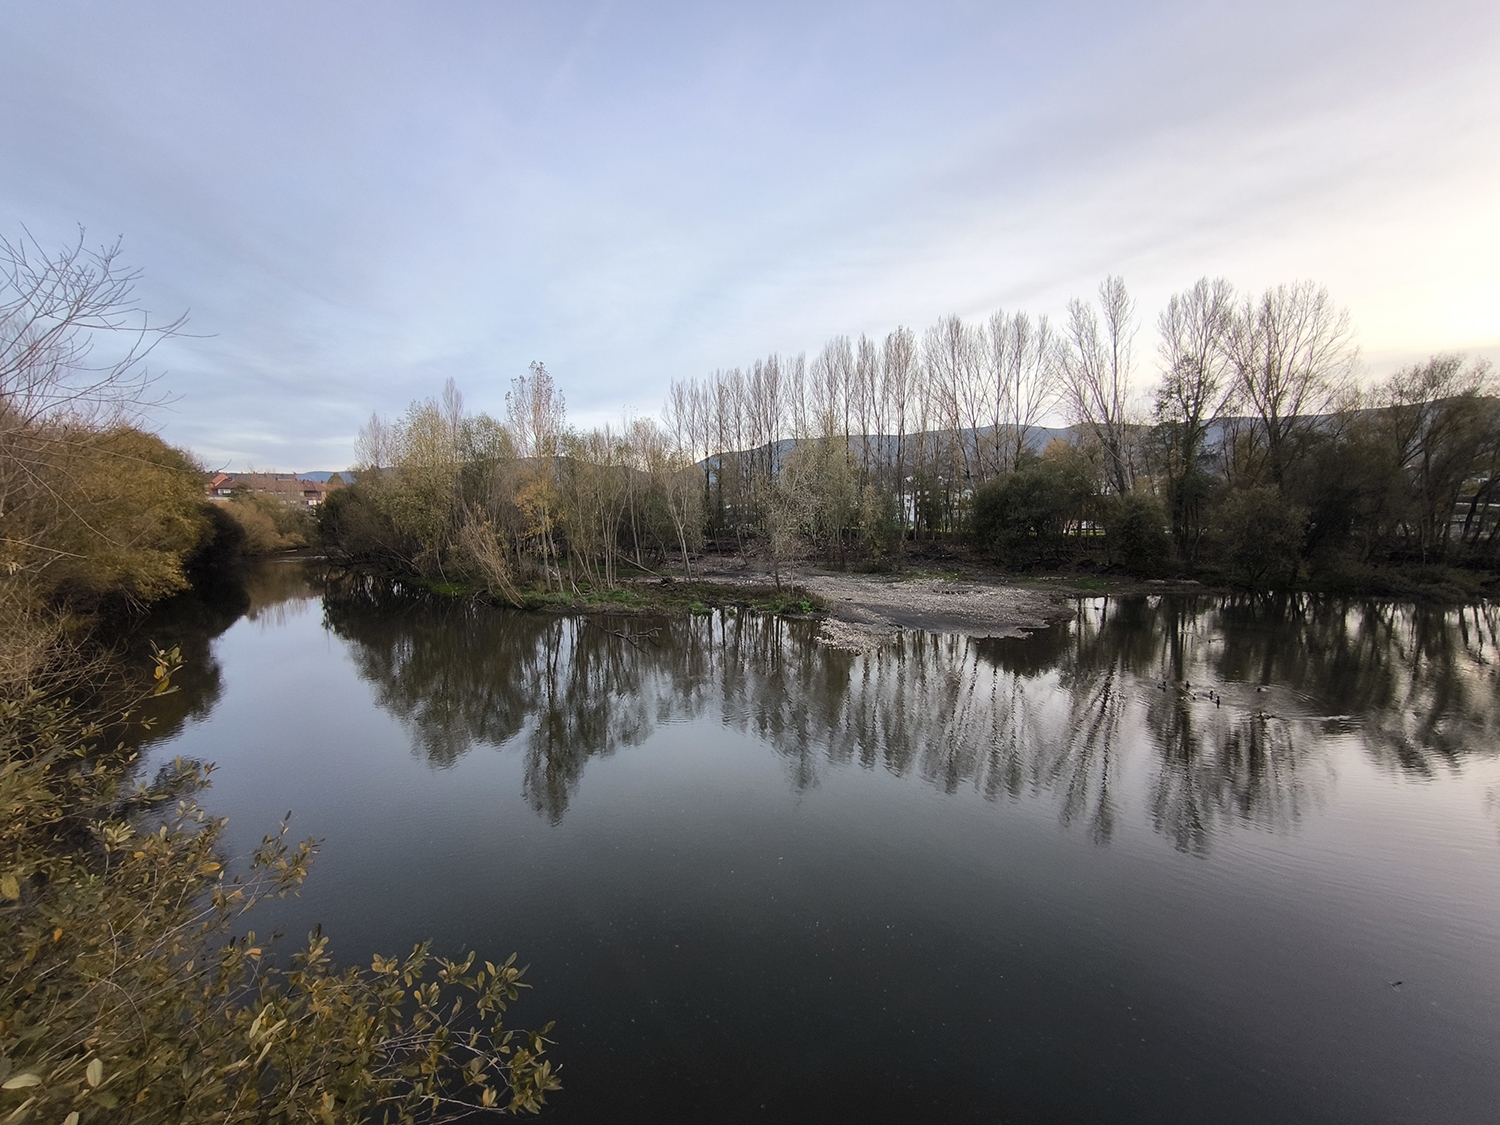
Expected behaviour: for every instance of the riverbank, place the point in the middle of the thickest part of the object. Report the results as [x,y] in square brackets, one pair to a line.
[941,591]
[858,611]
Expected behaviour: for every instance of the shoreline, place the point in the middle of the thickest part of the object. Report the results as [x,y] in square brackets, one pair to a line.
[860,610]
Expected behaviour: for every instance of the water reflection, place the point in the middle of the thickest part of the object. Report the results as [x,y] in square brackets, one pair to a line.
[1230,705]
[269,593]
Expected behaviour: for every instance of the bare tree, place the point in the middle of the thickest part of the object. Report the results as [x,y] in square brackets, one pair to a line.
[831,375]
[1294,355]
[73,340]
[796,396]
[866,398]
[898,371]
[537,415]
[374,448]
[1095,367]
[955,354]
[1024,365]
[1196,384]
[1439,420]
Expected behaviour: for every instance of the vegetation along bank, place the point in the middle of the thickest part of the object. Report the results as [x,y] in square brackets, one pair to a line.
[1259,463]
[132,987]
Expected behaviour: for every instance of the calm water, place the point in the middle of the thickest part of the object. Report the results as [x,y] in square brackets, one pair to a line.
[758,880]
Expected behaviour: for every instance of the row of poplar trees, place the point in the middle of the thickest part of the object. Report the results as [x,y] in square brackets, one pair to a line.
[1255,448]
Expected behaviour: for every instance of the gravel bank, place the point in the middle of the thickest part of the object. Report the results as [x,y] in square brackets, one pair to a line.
[867,609]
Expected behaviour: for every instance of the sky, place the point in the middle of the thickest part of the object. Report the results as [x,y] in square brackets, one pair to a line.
[356,201]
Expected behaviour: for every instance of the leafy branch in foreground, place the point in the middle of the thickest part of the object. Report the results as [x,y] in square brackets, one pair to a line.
[124,995]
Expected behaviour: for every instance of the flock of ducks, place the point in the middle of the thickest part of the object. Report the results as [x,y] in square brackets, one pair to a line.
[1209,695]
[1187,689]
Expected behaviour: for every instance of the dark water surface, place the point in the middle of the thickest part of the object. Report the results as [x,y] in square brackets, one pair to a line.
[756,879]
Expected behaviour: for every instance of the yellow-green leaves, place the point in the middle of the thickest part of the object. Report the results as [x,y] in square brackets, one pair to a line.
[114,949]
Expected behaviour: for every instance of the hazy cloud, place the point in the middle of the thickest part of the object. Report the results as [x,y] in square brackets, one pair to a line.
[358,200]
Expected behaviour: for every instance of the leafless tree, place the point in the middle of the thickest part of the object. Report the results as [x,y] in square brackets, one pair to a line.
[1095,367]
[73,340]
[537,415]
[1196,384]
[1294,356]
[898,370]
[952,356]
[1024,367]
[867,403]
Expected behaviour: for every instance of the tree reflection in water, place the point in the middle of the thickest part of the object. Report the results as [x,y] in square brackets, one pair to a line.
[1231,705]
[269,593]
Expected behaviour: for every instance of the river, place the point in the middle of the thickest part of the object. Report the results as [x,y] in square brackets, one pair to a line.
[1176,859]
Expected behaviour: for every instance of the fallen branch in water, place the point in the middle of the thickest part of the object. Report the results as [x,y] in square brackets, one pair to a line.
[650,634]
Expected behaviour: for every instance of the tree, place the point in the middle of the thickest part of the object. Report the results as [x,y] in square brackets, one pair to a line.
[1019,517]
[898,370]
[537,411]
[73,341]
[1133,526]
[91,507]
[1023,363]
[1263,534]
[672,474]
[1195,386]
[1293,354]
[1095,366]
[954,355]
[1438,420]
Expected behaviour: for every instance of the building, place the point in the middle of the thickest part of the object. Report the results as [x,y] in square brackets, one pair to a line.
[288,488]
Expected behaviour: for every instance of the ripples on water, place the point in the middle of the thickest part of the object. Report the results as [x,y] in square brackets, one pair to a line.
[1160,862]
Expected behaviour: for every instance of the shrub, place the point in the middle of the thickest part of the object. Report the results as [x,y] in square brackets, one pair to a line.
[270,525]
[108,515]
[1135,526]
[354,530]
[1019,517]
[1263,534]
[124,997]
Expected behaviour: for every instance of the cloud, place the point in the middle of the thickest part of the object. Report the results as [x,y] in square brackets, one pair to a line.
[357,202]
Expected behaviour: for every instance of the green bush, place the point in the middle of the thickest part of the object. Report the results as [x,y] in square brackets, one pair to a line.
[1019,517]
[354,530]
[1262,534]
[1135,527]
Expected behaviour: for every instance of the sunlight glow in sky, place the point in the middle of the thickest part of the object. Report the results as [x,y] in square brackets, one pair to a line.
[356,201]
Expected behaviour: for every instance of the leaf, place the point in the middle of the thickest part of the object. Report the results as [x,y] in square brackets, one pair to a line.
[106,1099]
[21,1081]
[95,1071]
[10,887]
[71,1119]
